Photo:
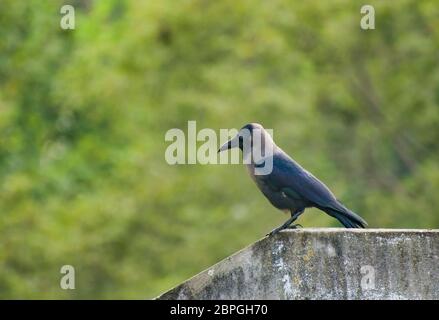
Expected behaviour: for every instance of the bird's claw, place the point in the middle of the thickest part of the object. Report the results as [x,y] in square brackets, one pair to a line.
[293,226]
[273,232]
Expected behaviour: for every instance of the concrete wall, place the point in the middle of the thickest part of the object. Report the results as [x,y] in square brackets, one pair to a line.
[324,264]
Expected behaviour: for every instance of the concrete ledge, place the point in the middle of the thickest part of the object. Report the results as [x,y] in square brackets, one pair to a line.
[324,264]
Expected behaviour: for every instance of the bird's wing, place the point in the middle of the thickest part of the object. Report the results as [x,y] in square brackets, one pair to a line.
[299,184]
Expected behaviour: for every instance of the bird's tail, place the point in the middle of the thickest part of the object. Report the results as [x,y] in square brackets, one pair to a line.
[348,218]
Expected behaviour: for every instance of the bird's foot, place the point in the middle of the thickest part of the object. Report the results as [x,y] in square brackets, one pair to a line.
[274,231]
[295,226]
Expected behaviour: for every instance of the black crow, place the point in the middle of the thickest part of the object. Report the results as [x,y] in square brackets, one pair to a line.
[287,185]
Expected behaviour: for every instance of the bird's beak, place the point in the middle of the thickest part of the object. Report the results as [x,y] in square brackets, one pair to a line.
[232,143]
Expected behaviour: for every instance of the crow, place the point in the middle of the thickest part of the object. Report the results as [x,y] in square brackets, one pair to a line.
[287,185]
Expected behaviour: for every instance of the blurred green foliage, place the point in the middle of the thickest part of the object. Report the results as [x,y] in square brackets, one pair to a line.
[83,114]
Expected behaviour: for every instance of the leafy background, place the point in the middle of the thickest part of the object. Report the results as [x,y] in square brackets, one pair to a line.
[83,114]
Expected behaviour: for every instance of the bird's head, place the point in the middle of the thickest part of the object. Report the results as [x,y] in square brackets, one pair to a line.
[257,148]
[246,136]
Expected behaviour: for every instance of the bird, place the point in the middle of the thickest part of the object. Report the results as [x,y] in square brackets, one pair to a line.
[287,185]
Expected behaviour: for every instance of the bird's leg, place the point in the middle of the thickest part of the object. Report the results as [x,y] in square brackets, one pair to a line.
[294,216]
[284,226]
[287,223]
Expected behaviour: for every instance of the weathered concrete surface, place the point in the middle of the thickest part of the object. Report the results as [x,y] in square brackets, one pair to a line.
[325,264]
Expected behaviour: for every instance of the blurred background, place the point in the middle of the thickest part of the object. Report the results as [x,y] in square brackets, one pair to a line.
[84,112]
